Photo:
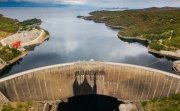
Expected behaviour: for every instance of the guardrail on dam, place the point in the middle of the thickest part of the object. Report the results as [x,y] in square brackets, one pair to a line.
[123,81]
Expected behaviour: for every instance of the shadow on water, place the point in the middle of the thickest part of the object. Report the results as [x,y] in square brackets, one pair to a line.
[92,102]
[145,43]
[160,56]
[142,42]
[85,95]
[8,68]
[32,47]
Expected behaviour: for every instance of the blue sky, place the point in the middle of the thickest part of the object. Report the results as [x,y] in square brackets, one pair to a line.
[115,3]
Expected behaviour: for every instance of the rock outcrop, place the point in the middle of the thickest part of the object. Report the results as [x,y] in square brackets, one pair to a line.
[176,65]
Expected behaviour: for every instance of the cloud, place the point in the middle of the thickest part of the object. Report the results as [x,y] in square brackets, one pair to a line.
[120,3]
[71,1]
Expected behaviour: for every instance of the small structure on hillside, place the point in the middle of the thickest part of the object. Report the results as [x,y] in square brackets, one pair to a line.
[16,44]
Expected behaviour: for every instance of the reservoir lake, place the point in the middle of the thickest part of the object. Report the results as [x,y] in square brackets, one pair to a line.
[74,39]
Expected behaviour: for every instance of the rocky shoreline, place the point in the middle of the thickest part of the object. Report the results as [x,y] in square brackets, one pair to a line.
[115,27]
[40,39]
[132,38]
[170,54]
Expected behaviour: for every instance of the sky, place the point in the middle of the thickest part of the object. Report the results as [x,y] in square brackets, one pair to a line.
[115,3]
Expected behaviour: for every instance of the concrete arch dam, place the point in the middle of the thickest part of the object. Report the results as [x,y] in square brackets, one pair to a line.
[123,81]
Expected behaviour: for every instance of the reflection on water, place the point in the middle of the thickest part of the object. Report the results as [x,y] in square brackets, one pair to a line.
[73,39]
[145,43]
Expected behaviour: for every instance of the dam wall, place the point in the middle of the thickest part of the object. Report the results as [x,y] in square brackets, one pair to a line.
[123,81]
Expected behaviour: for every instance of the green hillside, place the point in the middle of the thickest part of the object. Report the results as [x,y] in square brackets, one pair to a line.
[159,25]
[10,26]
[7,26]
[167,104]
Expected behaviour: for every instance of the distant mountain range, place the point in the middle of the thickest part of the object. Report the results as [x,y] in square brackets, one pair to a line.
[32,4]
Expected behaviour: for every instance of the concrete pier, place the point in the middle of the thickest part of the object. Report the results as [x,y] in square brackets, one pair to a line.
[123,81]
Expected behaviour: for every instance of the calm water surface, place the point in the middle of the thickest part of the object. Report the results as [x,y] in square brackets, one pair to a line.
[73,39]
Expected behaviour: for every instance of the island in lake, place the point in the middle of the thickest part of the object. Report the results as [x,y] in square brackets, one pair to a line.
[160,27]
[16,37]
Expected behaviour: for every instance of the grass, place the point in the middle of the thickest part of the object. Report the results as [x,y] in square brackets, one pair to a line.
[7,53]
[4,34]
[159,26]
[20,106]
[166,104]
[156,45]
[8,26]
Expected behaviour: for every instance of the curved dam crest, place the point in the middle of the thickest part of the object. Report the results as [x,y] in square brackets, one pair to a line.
[122,81]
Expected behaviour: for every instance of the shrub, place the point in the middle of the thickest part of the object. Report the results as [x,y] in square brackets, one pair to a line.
[7,107]
[171,103]
[156,46]
[20,106]
[7,53]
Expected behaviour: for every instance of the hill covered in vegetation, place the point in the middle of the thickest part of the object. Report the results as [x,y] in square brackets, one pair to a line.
[9,26]
[160,26]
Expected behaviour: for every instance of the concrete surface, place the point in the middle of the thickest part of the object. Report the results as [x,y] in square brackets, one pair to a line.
[123,81]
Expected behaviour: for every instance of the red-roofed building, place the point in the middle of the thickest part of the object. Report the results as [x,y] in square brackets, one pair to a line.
[16,44]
